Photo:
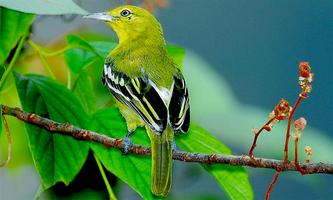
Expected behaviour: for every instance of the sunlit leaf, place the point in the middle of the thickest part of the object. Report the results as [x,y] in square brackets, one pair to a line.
[42,7]
[13,25]
[132,169]
[57,157]
[234,180]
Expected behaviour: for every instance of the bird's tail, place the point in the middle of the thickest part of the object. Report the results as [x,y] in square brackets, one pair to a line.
[161,146]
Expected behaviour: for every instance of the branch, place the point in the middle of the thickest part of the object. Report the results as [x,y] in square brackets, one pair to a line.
[82,134]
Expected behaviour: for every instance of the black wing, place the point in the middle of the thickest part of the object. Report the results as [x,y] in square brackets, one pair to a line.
[138,94]
[179,107]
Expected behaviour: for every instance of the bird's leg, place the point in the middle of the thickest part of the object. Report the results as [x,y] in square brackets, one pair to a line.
[174,146]
[127,141]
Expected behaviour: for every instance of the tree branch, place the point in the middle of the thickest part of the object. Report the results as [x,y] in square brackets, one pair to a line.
[82,134]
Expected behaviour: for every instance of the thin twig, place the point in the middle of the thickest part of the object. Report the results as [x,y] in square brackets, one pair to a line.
[12,62]
[298,166]
[290,118]
[271,186]
[254,144]
[9,141]
[82,134]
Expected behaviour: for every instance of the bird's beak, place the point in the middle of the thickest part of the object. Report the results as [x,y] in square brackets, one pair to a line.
[103,16]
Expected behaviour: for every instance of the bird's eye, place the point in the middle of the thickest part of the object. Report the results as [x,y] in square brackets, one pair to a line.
[125,13]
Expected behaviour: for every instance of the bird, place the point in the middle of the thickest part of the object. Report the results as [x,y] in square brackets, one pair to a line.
[149,88]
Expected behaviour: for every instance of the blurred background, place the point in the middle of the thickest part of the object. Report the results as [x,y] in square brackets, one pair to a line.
[241,58]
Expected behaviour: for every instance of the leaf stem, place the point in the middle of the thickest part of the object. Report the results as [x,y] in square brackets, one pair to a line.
[9,141]
[39,192]
[38,49]
[107,184]
[12,62]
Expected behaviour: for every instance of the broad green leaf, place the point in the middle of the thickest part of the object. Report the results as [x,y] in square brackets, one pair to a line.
[42,7]
[13,25]
[177,54]
[233,179]
[83,89]
[56,157]
[132,169]
[81,56]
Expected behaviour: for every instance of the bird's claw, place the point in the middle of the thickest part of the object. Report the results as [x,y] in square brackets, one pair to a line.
[174,146]
[127,142]
[127,145]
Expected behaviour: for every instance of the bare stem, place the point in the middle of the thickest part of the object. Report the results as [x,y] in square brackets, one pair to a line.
[286,144]
[271,186]
[298,166]
[254,144]
[82,134]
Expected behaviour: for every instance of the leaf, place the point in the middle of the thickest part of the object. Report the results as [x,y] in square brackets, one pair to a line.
[233,179]
[1,117]
[103,48]
[89,49]
[13,25]
[80,57]
[84,91]
[2,70]
[56,157]
[132,169]
[42,7]
[177,54]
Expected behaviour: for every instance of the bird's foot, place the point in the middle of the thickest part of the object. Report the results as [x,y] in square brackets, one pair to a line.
[127,142]
[174,146]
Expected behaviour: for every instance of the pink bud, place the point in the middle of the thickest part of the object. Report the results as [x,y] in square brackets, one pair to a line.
[300,124]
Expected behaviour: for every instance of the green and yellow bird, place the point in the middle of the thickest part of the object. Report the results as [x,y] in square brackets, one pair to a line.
[149,88]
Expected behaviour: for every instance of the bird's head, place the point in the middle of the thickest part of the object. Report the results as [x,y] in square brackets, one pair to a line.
[130,22]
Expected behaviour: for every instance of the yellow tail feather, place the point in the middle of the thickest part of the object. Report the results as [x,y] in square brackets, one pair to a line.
[161,146]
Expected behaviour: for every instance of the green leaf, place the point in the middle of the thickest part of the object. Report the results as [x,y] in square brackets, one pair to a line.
[56,157]
[103,48]
[2,70]
[42,7]
[177,54]
[0,116]
[86,51]
[13,25]
[132,169]
[233,179]
[81,56]
[83,89]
